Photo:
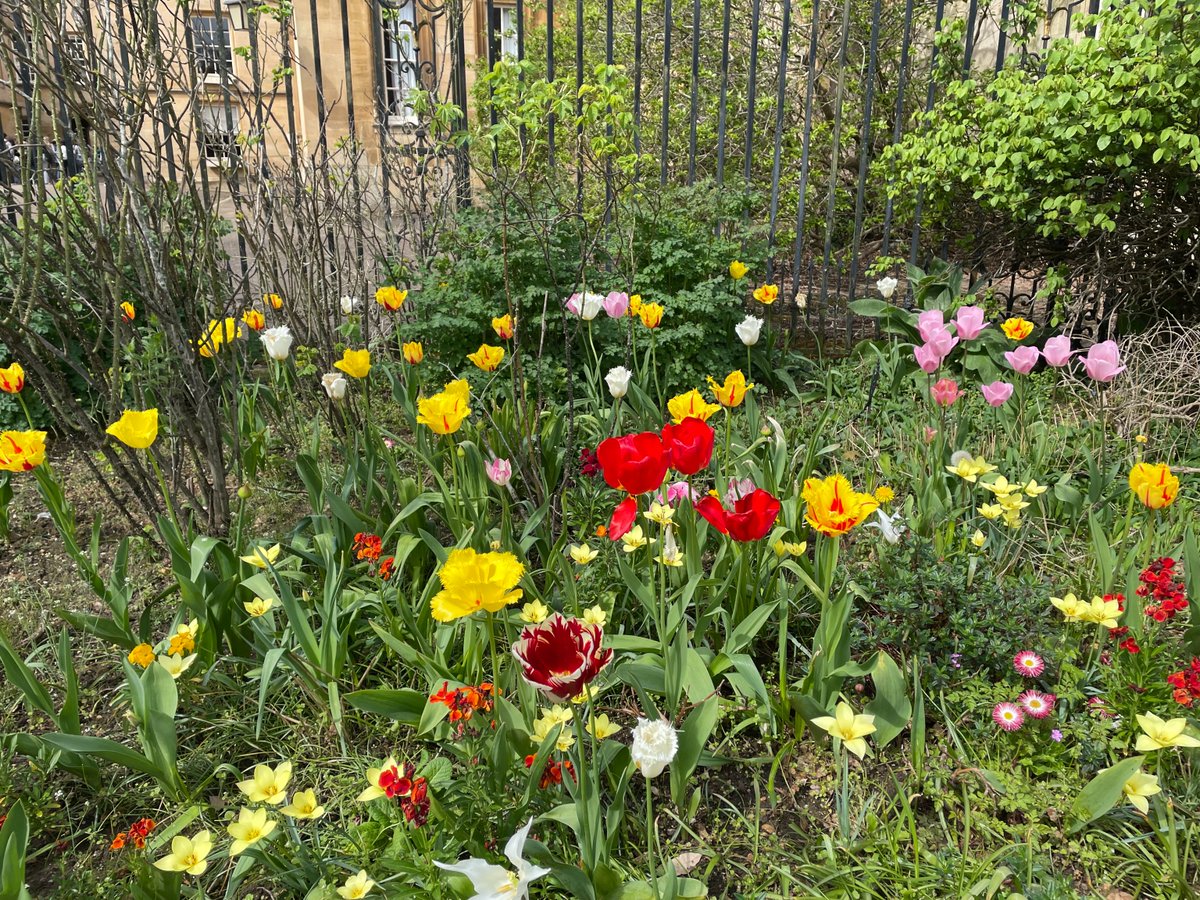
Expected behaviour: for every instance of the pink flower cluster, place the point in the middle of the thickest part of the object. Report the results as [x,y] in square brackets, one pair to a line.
[1031,703]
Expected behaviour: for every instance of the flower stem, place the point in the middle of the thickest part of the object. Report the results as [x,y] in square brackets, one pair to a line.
[650,839]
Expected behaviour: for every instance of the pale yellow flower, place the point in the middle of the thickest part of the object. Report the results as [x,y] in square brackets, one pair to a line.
[991,510]
[1162,735]
[250,828]
[261,557]
[600,727]
[1139,788]
[595,615]
[582,554]
[660,513]
[176,664]
[304,806]
[356,886]
[259,606]
[634,539]
[267,785]
[849,728]
[978,538]
[1033,489]
[187,854]
[534,612]
[1071,607]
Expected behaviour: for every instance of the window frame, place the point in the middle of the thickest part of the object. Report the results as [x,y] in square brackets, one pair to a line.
[400,62]
[211,136]
[212,47]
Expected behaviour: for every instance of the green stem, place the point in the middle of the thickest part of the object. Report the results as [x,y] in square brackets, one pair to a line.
[162,485]
[491,625]
[651,853]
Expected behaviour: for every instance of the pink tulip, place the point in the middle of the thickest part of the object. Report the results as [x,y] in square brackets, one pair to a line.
[942,341]
[927,358]
[499,472]
[1103,361]
[930,323]
[680,489]
[1057,351]
[575,303]
[1023,359]
[997,393]
[945,392]
[930,434]
[616,304]
[969,322]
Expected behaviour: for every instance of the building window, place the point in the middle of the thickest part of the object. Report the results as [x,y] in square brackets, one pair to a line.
[399,58]
[504,33]
[75,52]
[211,47]
[218,136]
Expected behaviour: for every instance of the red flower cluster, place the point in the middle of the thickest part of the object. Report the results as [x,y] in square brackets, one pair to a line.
[367,546]
[560,656]
[1186,683]
[589,464]
[1129,644]
[464,702]
[136,835]
[399,782]
[750,520]
[1165,593]
[386,567]
[552,773]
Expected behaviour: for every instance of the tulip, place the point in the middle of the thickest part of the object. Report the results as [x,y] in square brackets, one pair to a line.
[492,881]
[942,341]
[503,326]
[1016,329]
[128,312]
[335,385]
[582,554]
[834,507]
[22,451]
[561,656]
[996,393]
[187,854]
[1057,351]
[587,306]
[618,381]
[748,330]
[689,445]
[945,392]
[135,429]
[1103,361]
[848,728]
[1154,484]
[348,304]
[390,298]
[1139,788]
[751,519]
[634,463]
[1023,359]
[680,489]
[356,887]
[766,294]
[616,304]
[12,379]
[927,358]
[651,314]
[969,322]
[487,357]
[1162,735]
[413,352]
[737,270]
[355,363]
[278,342]
[655,744]
[267,785]
[254,320]
[889,526]
[733,391]
[250,828]
[692,403]
[930,324]
[262,556]
[622,519]
[499,472]
[444,412]
[472,582]
[887,286]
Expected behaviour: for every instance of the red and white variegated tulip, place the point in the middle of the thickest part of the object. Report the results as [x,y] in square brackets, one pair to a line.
[561,656]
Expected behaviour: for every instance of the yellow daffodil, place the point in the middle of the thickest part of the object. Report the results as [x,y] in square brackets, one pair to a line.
[444,413]
[651,314]
[738,270]
[414,353]
[136,429]
[733,391]
[252,826]
[22,451]
[691,404]
[634,539]
[1017,329]
[262,557]
[390,298]
[12,379]
[356,886]
[355,363]
[141,655]
[582,554]
[304,806]
[267,785]
[1140,787]
[660,513]
[849,728]
[176,664]
[534,612]
[188,855]
[1154,484]
[259,606]
[472,582]
[834,507]
[487,357]
[600,727]
[1162,735]
[595,615]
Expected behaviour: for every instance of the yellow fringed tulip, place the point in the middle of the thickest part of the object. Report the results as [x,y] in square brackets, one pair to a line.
[476,581]
[689,405]
[834,507]
[445,412]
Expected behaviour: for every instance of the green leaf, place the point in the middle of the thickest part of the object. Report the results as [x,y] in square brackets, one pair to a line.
[697,729]
[405,705]
[891,707]
[1102,792]
[14,840]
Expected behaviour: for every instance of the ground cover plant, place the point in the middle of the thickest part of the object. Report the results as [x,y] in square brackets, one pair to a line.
[915,624]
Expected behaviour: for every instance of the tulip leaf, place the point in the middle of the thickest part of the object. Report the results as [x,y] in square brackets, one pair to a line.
[1191,570]
[1104,791]
[405,705]
[693,736]
[104,749]
[891,707]
[14,840]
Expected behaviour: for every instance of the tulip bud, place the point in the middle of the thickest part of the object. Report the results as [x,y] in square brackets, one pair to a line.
[245,492]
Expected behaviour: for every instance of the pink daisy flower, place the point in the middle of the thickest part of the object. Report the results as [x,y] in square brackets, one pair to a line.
[1036,704]
[1028,664]
[1008,716]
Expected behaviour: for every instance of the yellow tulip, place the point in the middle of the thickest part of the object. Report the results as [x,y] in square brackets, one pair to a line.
[600,727]
[691,404]
[1139,788]
[262,557]
[1072,608]
[1154,484]
[487,358]
[595,615]
[188,855]
[503,326]
[582,554]
[476,581]
[273,300]
[12,379]
[21,451]
[254,320]
[737,270]
[1162,735]
[733,391]
[413,352]
[259,606]
[267,785]
[252,826]
[136,429]
[356,886]
[128,312]
[766,294]
[1017,329]
[651,314]
[534,612]
[848,728]
[834,507]
[355,363]
[304,806]
[444,413]
[390,298]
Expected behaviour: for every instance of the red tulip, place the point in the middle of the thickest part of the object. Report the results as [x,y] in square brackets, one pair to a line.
[622,518]
[634,463]
[689,445]
[750,520]
[560,656]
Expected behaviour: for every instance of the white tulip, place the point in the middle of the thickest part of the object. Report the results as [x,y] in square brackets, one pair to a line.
[334,384]
[748,330]
[618,381]
[492,881]
[348,304]
[655,744]
[887,286]
[889,526]
[278,342]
